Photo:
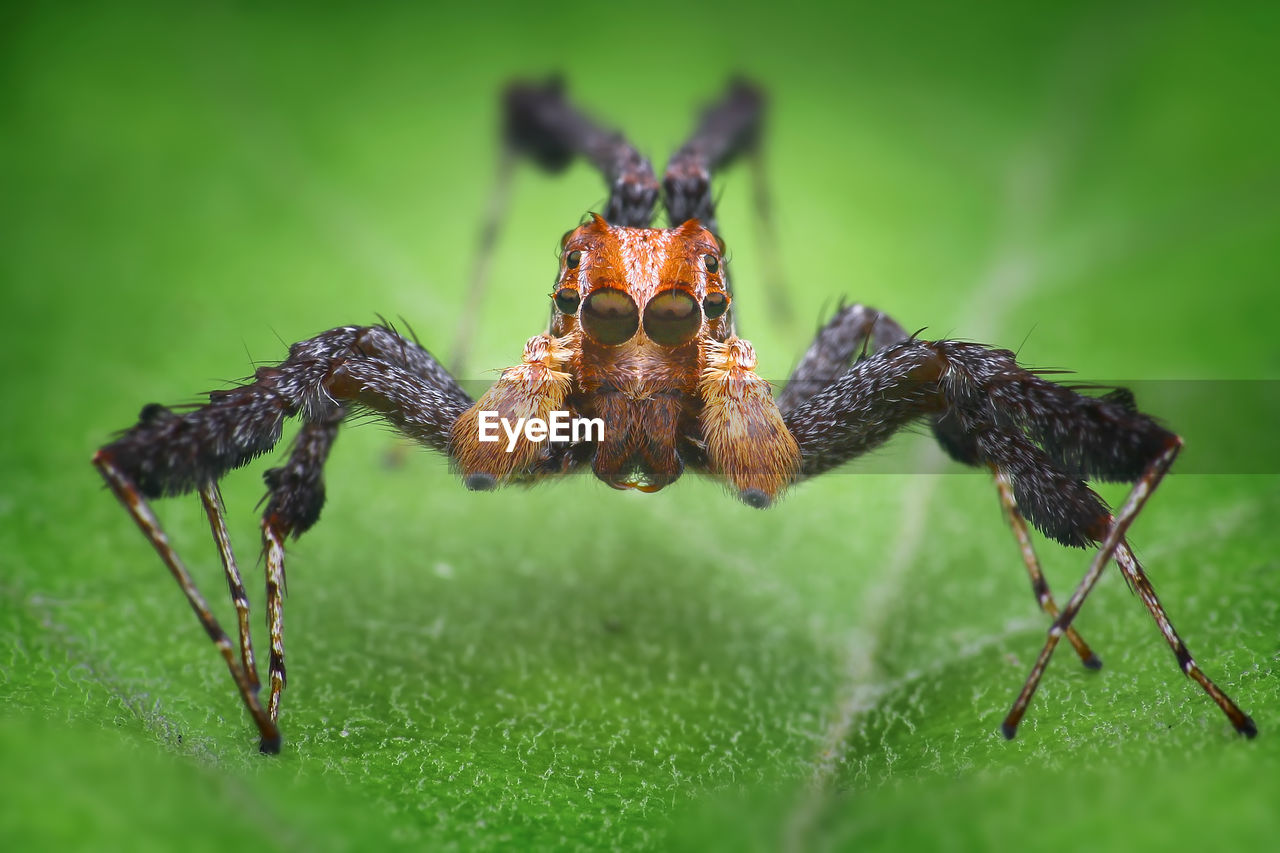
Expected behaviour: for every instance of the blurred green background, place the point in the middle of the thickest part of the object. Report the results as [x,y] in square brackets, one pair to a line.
[189,187]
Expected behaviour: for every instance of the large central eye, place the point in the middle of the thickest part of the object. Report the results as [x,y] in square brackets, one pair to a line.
[609,316]
[672,318]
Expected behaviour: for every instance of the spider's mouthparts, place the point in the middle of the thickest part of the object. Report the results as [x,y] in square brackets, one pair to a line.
[755,498]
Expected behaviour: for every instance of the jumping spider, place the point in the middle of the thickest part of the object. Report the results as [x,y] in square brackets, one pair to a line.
[642,337]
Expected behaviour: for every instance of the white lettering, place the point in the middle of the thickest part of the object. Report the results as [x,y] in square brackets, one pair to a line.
[588,426]
[487,426]
[560,426]
[512,432]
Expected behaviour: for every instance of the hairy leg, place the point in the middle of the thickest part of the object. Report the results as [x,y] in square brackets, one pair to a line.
[140,511]
[212,501]
[168,454]
[726,129]
[543,125]
[1138,580]
[295,496]
[1039,584]
[857,331]
[854,332]
[1044,438]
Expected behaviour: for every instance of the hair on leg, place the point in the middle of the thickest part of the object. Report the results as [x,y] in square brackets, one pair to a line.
[211,498]
[1118,526]
[1039,584]
[1042,438]
[541,123]
[168,453]
[1137,578]
[854,331]
[140,511]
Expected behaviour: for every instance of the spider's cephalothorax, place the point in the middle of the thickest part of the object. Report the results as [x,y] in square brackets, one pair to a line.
[641,339]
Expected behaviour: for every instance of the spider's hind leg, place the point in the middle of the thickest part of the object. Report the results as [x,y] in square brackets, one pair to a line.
[728,129]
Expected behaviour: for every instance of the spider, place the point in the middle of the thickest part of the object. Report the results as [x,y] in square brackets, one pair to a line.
[641,336]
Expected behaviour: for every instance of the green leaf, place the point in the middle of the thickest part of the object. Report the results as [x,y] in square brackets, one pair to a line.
[569,667]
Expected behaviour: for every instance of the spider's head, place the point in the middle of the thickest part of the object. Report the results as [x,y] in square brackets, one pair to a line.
[644,287]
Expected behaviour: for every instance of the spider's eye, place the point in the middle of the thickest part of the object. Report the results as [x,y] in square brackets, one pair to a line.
[711,262]
[572,259]
[567,300]
[715,305]
[610,316]
[672,318]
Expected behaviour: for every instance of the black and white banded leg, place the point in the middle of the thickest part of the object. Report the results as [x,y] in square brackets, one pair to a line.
[1039,584]
[1115,545]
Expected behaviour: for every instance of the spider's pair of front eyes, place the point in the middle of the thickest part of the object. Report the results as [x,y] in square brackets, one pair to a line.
[610,316]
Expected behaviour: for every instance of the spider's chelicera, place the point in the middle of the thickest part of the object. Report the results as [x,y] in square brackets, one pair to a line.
[641,342]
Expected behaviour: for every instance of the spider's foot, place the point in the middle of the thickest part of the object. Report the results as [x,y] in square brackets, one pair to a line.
[1092,662]
[270,746]
[1247,727]
[1009,730]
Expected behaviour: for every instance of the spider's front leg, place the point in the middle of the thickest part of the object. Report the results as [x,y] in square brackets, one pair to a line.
[1044,438]
[168,454]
